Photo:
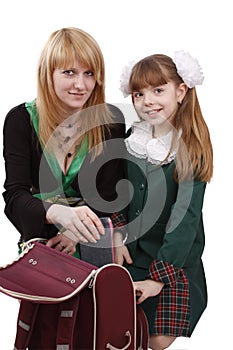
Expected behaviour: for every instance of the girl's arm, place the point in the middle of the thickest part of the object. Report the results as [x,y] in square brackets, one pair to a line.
[121,252]
[183,241]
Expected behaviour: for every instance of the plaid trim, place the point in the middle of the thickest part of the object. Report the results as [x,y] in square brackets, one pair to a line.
[173,311]
[118,220]
[163,272]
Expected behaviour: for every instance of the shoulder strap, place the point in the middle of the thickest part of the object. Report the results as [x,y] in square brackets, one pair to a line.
[67,315]
[25,323]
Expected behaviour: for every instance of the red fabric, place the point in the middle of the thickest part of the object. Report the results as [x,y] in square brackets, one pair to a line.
[43,273]
[98,307]
[109,304]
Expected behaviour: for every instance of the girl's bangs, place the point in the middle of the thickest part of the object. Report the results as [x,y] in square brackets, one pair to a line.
[146,74]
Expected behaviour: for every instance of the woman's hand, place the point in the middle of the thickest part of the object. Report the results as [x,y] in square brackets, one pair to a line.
[81,221]
[62,243]
[121,252]
[146,289]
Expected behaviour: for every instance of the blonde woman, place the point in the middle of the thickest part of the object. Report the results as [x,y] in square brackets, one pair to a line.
[52,146]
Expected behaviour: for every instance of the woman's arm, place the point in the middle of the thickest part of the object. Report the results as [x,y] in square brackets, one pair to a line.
[32,216]
[22,159]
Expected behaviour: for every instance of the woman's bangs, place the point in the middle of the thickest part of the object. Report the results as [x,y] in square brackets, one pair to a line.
[67,51]
[64,57]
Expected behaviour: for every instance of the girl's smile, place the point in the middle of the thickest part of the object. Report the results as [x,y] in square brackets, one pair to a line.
[153,112]
[158,105]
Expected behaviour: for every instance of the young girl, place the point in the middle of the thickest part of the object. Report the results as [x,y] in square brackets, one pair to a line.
[170,161]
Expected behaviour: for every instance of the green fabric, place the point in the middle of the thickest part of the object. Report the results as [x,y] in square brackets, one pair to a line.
[166,224]
[170,216]
[64,180]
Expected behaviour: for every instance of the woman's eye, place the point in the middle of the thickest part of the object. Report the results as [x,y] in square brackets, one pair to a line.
[89,73]
[68,72]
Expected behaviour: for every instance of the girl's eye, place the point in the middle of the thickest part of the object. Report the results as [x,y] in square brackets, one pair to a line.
[158,90]
[137,94]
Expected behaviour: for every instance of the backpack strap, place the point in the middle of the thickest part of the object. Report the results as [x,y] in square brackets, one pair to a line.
[142,329]
[25,323]
[66,324]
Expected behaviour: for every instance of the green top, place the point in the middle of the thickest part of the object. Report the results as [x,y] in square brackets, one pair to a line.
[64,180]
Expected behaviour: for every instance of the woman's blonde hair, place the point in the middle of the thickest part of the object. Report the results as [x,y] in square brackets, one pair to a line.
[63,47]
[196,158]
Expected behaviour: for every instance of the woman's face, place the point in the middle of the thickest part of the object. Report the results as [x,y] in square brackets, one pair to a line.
[73,86]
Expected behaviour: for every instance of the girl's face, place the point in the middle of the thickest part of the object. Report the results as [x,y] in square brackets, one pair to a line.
[73,86]
[158,105]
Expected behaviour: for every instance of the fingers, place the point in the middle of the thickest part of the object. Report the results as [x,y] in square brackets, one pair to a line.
[128,257]
[62,244]
[88,226]
[118,258]
[52,242]
[91,228]
[121,255]
[69,249]
[140,299]
[81,231]
[118,239]
[81,221]
[140,296]
[147,288]
[91,218]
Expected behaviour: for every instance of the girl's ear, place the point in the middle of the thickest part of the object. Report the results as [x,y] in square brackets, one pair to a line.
[181,92]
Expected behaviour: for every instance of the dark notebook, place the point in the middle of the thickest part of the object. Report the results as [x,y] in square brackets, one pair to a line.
[102,252]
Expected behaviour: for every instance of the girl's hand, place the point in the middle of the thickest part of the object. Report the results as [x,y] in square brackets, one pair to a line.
[82,222]
[146,289]
[62,243]
[71,236]
[121,252]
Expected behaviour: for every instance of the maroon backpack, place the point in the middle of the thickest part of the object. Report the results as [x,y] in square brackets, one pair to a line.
[69,304]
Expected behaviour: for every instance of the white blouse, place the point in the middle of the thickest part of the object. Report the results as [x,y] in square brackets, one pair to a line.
[142,144]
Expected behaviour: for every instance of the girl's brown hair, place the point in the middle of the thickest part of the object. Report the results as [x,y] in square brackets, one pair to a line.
[196,157]
[60,51]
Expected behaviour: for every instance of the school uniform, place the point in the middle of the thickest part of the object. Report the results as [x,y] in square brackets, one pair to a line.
[165,236]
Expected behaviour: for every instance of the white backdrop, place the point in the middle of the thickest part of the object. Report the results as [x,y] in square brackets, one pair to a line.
[128,30]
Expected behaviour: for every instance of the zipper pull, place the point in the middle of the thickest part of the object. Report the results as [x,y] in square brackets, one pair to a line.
[90,285]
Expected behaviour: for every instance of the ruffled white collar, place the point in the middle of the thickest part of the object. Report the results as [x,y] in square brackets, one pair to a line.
[141,144]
